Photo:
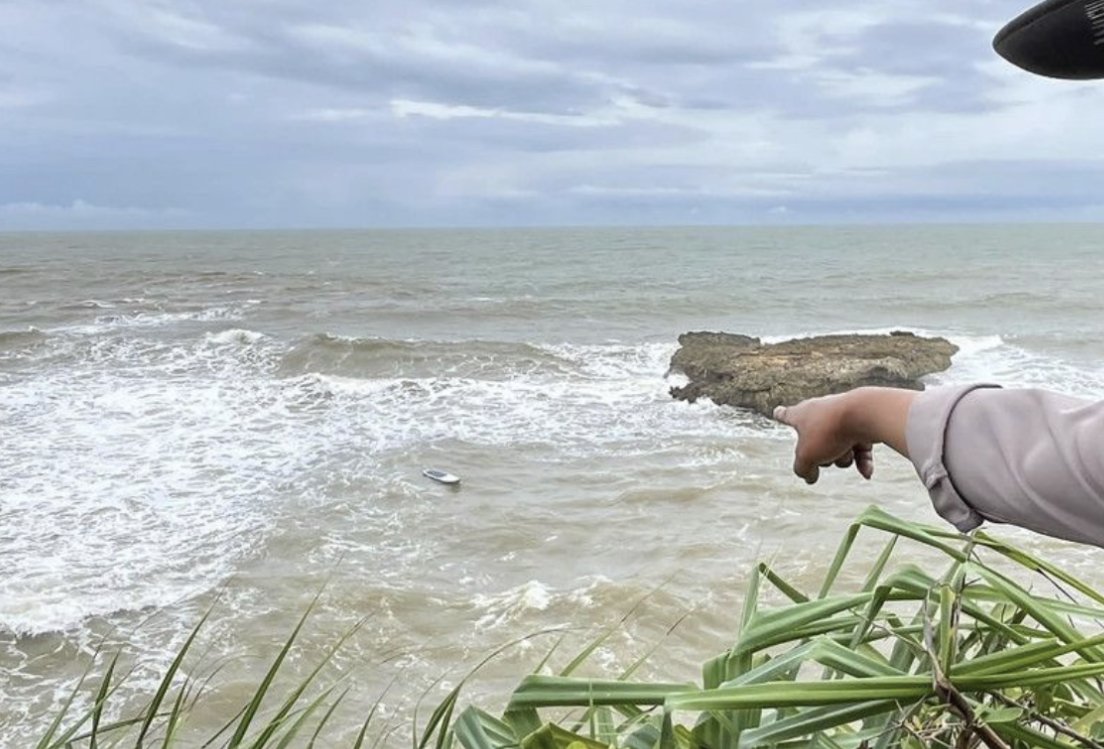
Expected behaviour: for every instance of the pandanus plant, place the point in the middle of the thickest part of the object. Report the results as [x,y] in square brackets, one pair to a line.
[971,658]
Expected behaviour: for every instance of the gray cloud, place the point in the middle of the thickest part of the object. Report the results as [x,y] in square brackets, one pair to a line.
[204,113]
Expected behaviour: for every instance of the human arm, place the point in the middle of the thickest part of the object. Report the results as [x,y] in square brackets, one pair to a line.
[842,429]
[1030,458]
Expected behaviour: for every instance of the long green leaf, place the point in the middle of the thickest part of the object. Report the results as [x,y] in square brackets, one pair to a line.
[879,565]
[1041,566]
[877,518]
[897,688]
[476,729]
[554,691]
[292,698]
[438,719]
[262,689]
[522,720]
[552,736]
[109,728]
[809,721]
[62,711]
[101,699]
[1031,737]
[294,728]
[174,717]
[166,681]
[326,718]
[1038,610]
[838,560]
[767,627]
[776,580]
[1023,657]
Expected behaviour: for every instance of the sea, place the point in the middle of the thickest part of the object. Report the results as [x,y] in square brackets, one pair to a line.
[234,425]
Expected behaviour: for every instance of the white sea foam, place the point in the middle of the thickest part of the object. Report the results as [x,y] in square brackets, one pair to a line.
[508,606]
[584,414]
[990,358]
[235,336]
[973,345]
[148,320]
[132,484]
[1021,369]
[618,361]
[172,460]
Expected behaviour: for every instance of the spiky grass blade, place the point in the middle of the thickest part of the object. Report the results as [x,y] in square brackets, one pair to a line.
[786,589]
[326,718]
[225,728]
[554,691]
[548,656]
[838,560]
[101,699]
[438,720]
[105,730]
[1035,564]
[167,680]
[174,717]
[551,736]
[1038,610]
[48,738]
[262,689]
[444,706]
[780,625]
[879,566]
[898,688]
[807,722]
[1029,737]
[586,652]
[290,701]
[476,729]
[523,720]
[98,731]
[296,727]
[629,711]
[1023,657]
[363,732]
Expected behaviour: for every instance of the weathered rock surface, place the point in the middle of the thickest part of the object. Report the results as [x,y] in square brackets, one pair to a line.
[737,370]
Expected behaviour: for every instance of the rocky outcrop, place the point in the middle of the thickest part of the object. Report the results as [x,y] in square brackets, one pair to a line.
[737,370]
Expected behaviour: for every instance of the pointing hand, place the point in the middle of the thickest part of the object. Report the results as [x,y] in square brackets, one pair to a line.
[841,430]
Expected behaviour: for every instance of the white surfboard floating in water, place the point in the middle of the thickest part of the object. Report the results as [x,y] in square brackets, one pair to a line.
[443,477]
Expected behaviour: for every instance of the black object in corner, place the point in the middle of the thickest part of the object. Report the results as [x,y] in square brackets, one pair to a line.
[1057,38]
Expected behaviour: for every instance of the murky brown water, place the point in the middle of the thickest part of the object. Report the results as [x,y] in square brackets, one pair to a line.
[236,422]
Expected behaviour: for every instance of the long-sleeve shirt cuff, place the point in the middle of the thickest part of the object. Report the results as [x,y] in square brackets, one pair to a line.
[925,434]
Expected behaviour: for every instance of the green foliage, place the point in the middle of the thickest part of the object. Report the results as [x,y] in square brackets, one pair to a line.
[298,720]
[969,659]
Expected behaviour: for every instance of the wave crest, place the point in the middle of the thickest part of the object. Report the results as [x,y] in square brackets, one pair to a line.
[328,354]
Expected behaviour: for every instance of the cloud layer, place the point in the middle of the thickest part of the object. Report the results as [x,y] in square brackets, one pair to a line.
[291,113]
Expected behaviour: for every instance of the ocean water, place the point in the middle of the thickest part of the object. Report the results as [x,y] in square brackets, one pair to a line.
[237,422]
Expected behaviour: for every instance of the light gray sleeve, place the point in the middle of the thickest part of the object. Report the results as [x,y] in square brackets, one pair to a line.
[1030,458]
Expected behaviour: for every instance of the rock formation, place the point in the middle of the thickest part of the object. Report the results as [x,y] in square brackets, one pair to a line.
[737,370]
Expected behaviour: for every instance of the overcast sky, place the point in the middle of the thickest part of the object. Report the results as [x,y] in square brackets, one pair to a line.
[287,113]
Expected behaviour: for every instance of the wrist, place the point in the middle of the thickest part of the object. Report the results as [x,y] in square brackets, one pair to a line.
[878,414]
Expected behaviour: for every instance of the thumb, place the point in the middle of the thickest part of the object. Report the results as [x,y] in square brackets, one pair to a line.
[784,415]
